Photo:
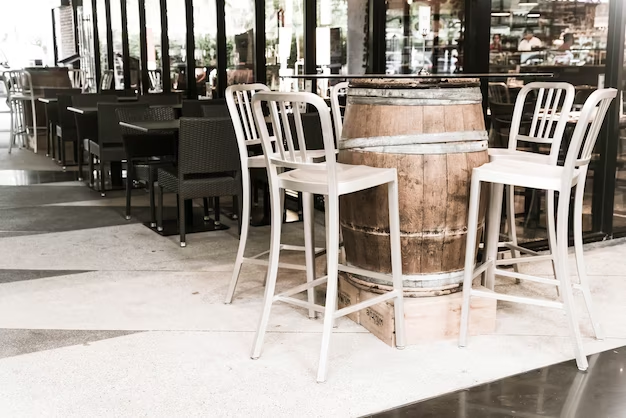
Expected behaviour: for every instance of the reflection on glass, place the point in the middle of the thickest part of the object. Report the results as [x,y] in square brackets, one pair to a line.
[564,38]
[153,38]
[132,11]
[423,36]
[284,43]
[116,28]
[331,40]
[102,34]
[84,16]
[176,31]
[205,52]
[240,41]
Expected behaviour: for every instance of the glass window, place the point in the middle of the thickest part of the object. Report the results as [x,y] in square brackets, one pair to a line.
[153,39]
[331,40]
[284,43]
[567,39]
[86,44]
[102,34]
[116,29]
[424,36]
[240,41]
[132,12]
[177,32]
[205,52]
[619,214]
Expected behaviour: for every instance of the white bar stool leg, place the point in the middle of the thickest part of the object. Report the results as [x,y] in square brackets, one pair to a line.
[493,233]
[510,216]
[563,276]
[470,257]
[32,103]
[309,246]
[272,272]
[396,262]
[243,238]
[580,260]
[13,123]
[332,254]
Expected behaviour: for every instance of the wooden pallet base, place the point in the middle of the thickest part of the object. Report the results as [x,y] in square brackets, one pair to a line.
[427,319]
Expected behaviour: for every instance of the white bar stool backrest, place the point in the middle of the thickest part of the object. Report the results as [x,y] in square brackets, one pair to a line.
[286,155]
[587,129]
[239,102]
[336,91]
[551,111]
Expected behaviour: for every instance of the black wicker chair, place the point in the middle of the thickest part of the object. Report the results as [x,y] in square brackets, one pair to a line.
[87,125]
[146,153]
[208,166]
[109,146]
[52,116]
[160,99]
[215,111]
[66,128]
[193,108]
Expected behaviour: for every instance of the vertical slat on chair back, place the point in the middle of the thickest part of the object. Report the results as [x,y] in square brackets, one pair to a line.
[286,154]
[109,129]
[239,101]
[207,146]
[551,111]
[337,90]
[588,127]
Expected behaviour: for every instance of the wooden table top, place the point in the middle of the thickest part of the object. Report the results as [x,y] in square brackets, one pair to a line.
[151,126]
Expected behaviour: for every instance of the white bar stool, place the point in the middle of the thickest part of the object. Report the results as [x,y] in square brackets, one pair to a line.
[238,99]
[330,179]
[553,104]
[548,177]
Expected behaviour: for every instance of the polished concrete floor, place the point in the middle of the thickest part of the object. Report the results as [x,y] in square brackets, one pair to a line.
[100,316]
[555,391]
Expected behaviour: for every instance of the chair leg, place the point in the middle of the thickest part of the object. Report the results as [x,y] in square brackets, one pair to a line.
[552,244]
[33,110]
[510,216]
[332,261]
[102,171]
[80,155]
[272,274]
[216,209]
[90,177]
[62,152]
[396,262]
[181,220]
[493,232]
[470,258]
[129,186]
[48,139]
[159,190]
[309,247]
[151,190]
[580,260]
[13,124]
[563,276]
[243,236]
[205,203]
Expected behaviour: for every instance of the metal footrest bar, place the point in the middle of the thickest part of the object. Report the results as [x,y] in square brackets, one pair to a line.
[356,270]
[299,302]
[522,276]
[523,250]
[288,266]
[302,287]
[366,303]
[518,260]
[481,269]
[517,299]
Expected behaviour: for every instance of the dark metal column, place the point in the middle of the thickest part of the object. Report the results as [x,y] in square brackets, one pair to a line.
[604,173]
[476,42]
[54,39]
[310,25]
[260,74]
[143,48]
[110,56]
[96,43]
[125,46]
[190,59]
[221,47]
[376,61]
[165,49]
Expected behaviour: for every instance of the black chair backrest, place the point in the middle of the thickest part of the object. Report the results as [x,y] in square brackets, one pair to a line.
[215,111]
[141,145]
[50,93]
[312,127]
[207,146]
[109,129]
[161,98]
[193,108]
[92,99]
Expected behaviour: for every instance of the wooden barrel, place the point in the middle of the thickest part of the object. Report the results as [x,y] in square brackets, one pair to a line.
[433,132]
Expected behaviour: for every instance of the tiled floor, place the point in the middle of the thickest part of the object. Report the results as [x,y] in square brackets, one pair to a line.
[100,316]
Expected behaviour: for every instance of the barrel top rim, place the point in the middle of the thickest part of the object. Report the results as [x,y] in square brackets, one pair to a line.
[425,83]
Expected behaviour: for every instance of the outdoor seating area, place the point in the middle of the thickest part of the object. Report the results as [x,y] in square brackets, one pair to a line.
[313,208]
